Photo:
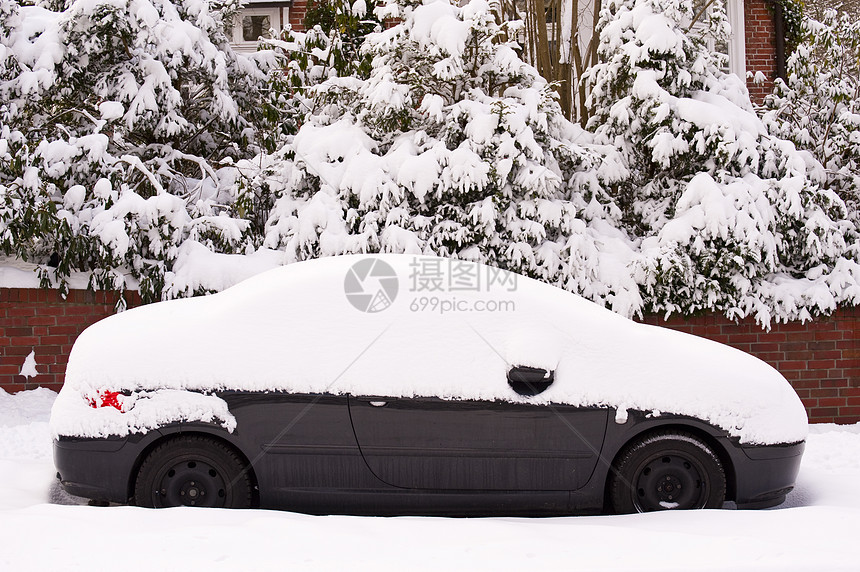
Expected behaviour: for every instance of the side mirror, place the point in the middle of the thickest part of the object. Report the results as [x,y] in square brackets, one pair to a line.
[530,380]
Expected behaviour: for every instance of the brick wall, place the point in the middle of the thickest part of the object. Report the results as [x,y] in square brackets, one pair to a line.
[298,9]
[42,321]
[821,359]
[760,46]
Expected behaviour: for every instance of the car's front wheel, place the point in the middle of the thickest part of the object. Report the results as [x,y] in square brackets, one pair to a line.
[193,470]
[667,470]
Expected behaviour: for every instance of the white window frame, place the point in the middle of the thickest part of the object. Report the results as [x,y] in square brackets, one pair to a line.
[737,41]
[274,14]
[736,45]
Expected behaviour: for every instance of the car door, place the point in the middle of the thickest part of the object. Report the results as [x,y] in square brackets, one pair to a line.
[297,442]
[431,443]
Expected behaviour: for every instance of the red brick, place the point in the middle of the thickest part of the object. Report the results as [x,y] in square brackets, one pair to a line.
[769,356]
[65,330]
[827,354]
[13,387]
[42,321]
[743,338]
[18,332]
[21,311]
[64,320]
[795,347]
[15,350]
[49,310]
[806,384]
[53,340]
[78,310]
[823,412]
[815,374]
[825,392]
[42,356]
[834,335]
[793,327]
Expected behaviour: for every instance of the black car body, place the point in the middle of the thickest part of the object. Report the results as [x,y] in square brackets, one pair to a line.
[351,455]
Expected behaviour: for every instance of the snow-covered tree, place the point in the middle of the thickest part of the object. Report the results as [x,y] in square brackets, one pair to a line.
[818,107]
[115,118]
[453,145]
[330,48]
[728,216]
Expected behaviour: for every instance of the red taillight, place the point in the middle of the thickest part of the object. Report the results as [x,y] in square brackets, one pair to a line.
[107,399]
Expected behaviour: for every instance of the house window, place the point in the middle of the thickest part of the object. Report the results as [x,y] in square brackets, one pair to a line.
[253,23]
[735,49]
[256,26]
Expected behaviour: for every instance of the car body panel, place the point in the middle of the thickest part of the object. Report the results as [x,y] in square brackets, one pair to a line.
[297,442]
[438,444]
[304,456]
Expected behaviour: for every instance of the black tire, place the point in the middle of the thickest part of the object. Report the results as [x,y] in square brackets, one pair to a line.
[667,470]
[193,470]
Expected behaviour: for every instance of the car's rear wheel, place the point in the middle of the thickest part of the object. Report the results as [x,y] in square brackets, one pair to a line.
[667,470]
[193,470]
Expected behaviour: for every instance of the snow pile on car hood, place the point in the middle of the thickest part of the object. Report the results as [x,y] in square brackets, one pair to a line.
[400,325]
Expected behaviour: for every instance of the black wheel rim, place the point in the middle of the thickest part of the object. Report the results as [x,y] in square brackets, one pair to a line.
[191,482]
[670,481]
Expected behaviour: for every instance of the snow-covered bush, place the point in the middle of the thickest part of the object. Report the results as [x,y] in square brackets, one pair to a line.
[453,145]
[302,60]
[115,117]
[818,107]
[730,218]
[331,47]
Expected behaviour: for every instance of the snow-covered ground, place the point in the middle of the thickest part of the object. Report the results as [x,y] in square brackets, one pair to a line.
[43,529]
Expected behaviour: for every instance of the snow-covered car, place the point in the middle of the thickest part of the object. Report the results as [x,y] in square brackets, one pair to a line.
[396,384]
